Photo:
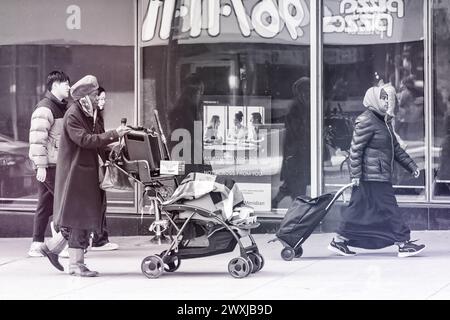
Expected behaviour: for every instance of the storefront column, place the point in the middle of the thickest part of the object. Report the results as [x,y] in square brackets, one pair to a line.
[428,97]
[316,54]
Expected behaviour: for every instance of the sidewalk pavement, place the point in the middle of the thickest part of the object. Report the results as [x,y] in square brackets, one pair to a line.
[319,274]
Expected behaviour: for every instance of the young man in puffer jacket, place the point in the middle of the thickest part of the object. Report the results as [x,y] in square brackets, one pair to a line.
[45,132]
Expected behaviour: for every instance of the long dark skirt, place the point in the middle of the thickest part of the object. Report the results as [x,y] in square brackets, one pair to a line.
[372,219]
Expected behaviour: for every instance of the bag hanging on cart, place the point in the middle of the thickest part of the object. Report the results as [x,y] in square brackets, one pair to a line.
[115,180]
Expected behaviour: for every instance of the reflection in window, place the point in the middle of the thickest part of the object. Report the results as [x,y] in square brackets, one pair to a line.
[441,86]
[243,97]
[348,72]
[22,84]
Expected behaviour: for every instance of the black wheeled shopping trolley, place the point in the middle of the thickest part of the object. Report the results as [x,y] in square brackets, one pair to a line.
[304,215]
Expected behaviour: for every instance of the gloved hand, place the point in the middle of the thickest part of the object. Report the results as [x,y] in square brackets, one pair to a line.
[355,181]
[123,130]
[41,174]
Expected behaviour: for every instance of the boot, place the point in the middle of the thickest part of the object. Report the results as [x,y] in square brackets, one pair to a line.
[52,257]
[77,266]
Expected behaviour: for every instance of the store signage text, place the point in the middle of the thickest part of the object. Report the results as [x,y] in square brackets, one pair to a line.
[365,17]
[73,21]
[267,17]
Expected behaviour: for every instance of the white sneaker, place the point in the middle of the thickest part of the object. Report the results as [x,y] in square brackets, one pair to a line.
[35,250]
[65,253]
[106,247]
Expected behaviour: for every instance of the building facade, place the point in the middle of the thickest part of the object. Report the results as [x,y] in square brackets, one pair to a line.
[229,80]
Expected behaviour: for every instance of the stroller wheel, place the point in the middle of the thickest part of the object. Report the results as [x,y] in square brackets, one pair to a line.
[298,252]
[257,260]
[239,267]
[171,261]
[152,267]
[262,260]
[288,253]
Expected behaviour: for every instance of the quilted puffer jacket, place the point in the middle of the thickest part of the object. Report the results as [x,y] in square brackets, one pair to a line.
[45,131]
[374,148]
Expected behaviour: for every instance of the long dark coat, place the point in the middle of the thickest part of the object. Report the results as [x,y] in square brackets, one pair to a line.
[78,197]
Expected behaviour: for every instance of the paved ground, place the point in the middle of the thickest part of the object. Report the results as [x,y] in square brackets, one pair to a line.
[319,274]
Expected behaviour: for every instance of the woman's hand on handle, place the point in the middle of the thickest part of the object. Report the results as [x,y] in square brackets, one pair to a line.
[355,182]
[123,130]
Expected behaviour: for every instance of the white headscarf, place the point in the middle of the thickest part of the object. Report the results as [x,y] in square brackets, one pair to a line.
[372,100]
[391,92]
[88,108]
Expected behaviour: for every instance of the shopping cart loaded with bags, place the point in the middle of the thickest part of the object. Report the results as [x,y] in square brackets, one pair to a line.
[303,216]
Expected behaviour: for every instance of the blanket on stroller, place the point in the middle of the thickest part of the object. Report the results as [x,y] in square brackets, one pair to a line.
[224,192]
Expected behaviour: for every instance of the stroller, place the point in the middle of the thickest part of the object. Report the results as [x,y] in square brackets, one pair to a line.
[205,207]
[202,208]
[301,219]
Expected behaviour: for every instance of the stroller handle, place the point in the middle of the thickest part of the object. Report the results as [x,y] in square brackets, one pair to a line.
[339,193]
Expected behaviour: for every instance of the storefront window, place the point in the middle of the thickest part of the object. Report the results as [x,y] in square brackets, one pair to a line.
[230,81]
[441,86]
[77,39]
[365,46]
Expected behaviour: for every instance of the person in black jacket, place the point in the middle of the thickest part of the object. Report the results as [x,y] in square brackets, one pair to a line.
[372,219]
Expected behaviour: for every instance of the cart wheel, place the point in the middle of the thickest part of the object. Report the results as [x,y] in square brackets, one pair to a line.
[152,267]
[171,261]
[298,252]
[257,261]
[239,267]
[288,253]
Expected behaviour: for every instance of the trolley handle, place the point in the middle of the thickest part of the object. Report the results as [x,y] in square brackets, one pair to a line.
[339,193]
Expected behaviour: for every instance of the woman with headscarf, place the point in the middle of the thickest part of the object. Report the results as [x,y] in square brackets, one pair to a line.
[372,219]
[79,201]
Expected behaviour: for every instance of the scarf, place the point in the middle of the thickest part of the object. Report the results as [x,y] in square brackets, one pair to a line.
[372,100]
[88,108]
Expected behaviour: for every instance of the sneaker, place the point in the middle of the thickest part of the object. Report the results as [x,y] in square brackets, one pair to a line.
[65,253]
[410,249]
[109,246]
[340,248]
[35,249]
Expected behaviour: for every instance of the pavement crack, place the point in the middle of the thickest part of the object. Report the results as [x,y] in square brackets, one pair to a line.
[10,261]
[439,290]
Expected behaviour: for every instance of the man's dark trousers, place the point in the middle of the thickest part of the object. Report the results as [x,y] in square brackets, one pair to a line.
[44,208]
